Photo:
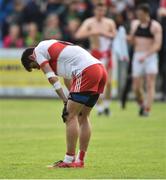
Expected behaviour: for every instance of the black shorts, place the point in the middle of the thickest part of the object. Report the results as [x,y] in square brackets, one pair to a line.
[86,98]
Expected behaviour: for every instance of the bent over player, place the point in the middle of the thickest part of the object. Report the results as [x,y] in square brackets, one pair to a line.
[56,58]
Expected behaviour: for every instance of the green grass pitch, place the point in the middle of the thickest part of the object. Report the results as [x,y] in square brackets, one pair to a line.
[32,136]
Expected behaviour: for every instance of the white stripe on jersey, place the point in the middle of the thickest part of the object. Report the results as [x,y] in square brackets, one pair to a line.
[78,83]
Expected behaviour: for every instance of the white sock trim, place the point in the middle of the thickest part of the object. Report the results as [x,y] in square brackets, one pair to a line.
[107,103]
[100,107]
[68,159]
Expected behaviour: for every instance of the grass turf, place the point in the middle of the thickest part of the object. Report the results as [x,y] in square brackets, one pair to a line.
[32,136]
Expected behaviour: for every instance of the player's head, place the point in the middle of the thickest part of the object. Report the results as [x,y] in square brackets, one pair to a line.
[143,11]
[27,60]
[100,10]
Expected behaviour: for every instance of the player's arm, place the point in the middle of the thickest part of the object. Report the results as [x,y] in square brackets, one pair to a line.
[157,31]
[67,83]
[84,31]
[112,30]
[130,37]
[54,81]
[41,57]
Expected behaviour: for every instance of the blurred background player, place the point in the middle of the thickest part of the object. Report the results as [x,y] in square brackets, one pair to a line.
[13,39]
[146,35]
[52,29]
[100,31]
[88,77]
[33,36]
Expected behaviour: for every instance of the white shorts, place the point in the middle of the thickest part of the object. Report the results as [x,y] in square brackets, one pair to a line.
[149,66]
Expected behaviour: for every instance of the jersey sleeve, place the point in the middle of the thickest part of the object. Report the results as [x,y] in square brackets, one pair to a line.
[40,56]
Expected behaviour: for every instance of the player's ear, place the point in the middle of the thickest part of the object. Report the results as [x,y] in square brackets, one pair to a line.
[31,57]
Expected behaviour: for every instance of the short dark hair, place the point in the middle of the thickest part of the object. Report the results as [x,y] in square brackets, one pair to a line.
[25,60]
[100,4]
[144,7]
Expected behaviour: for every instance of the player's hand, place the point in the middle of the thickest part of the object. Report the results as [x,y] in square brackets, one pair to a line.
[104,33]
[142,59]
[64,112]
[95,32]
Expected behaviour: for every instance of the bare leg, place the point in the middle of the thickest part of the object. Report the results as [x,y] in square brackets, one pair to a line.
[107,94]
[103,104]
[85,133]
[108,86]
[72,128]
[85,128]
[137,87]
[150,87]
[72,133]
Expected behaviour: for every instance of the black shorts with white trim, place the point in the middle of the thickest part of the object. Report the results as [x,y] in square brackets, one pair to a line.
[87,98]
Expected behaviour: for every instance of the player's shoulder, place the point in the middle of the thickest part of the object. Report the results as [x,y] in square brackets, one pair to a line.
[88,20]
[41,44]
[155,24]
[45,44]
[109,20]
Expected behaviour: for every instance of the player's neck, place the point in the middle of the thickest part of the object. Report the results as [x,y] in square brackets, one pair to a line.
[146,20]
[98,18]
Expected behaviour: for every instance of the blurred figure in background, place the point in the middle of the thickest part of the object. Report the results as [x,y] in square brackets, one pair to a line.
[13,39]
[13,14]
[52,28]
[79,9]
[120,5]
[33,35]
[32,13]
[129,17]
[146,35]
[162,63]
[55,6]
[16,16]
[72,11]
[72,27]
[100,31]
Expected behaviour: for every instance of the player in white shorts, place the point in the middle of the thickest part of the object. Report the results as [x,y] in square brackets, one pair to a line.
[85,78]
[146,36]
[149,66]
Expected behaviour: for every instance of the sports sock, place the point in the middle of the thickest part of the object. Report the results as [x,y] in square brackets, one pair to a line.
[147,109]
[107,103]
[140,103]
[80,156]
[100,108]
[69,158]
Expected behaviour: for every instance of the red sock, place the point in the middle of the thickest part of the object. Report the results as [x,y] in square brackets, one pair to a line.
[147,109]
[140,103]
[80,156]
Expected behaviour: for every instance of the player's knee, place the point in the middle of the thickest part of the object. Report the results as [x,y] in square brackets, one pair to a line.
[83,119]
[150,86]
[136,87]
[83,116]
[71,117]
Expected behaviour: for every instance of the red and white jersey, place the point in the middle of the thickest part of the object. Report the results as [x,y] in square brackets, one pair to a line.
[65,59]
